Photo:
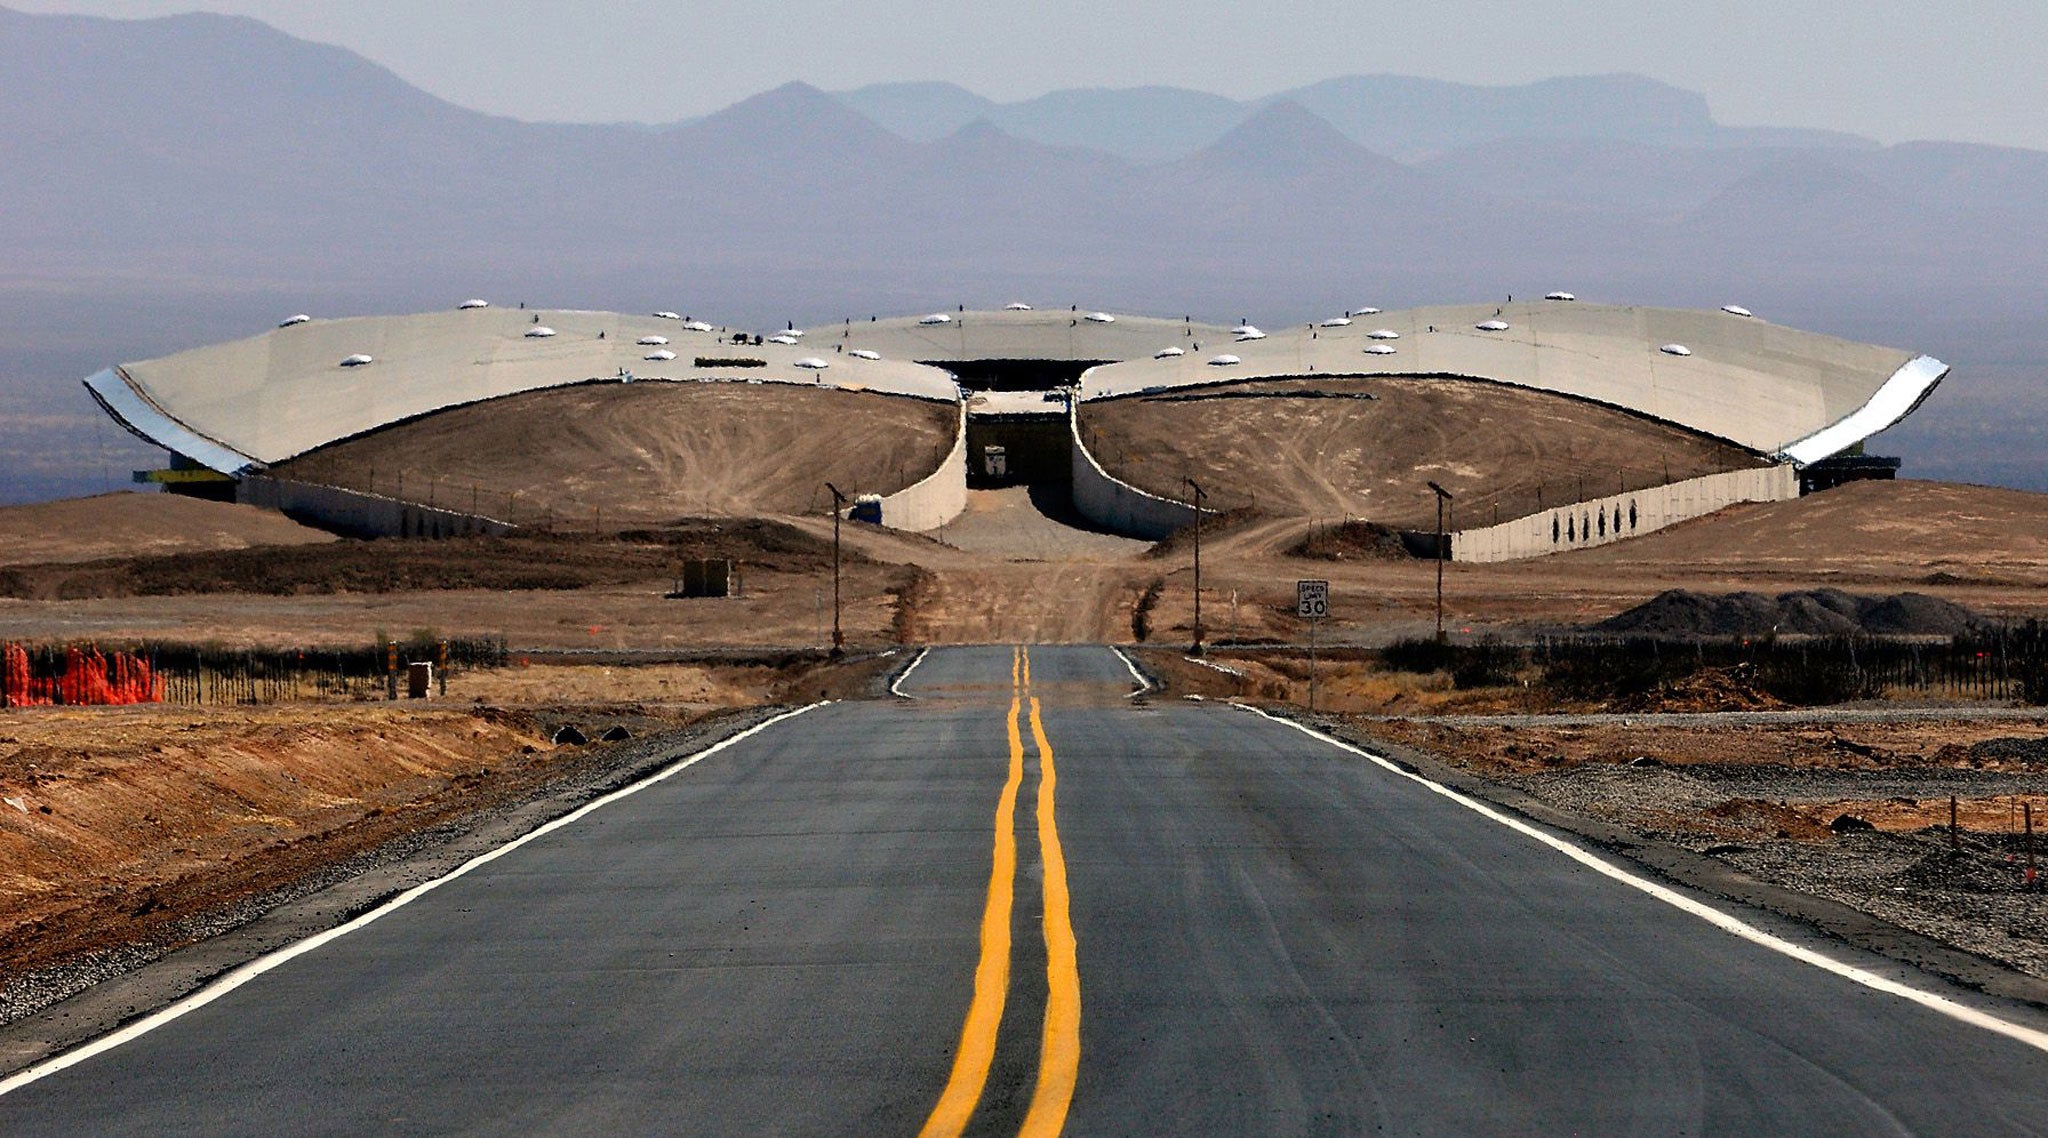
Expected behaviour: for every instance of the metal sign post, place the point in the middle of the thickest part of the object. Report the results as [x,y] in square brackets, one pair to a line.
[1312,603]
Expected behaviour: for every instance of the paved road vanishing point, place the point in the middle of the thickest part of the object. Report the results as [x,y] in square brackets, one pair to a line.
[1021,903]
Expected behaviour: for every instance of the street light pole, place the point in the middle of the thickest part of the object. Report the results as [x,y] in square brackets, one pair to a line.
[1442,496]
[838,637]
[1196,500]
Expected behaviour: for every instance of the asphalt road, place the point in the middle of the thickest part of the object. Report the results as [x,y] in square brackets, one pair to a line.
[812,932]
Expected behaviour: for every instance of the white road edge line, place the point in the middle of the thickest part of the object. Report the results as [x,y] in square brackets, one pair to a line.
[1723,921]
[895,686]
[241,975]
[1144,685]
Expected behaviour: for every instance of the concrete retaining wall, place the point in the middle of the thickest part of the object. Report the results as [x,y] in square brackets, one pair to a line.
[937,498]
[1603,521]
[1117,505]
[358,514]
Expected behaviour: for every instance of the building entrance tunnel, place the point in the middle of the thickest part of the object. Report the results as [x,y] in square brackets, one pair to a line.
[1016,451]
[1015,375]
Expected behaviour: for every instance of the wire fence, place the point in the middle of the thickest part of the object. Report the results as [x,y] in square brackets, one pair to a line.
[1993,663]
[45,675]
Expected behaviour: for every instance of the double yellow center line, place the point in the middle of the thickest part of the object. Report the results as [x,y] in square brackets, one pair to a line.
[1059,1051]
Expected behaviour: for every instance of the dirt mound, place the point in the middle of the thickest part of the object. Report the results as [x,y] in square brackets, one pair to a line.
[126,524]
[1503,451]
[1709,689]
[1814,612]
[1215,528]
[599,454]
[1350,541]
[2014,749]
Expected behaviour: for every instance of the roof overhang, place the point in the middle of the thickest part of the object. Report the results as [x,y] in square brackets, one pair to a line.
[144,419]
[1907,388]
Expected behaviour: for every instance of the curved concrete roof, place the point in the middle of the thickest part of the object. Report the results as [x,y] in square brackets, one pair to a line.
[1772,389]
[284,392]
[1040,334]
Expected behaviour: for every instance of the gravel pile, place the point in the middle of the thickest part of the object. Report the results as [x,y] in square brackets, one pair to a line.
[1814,612]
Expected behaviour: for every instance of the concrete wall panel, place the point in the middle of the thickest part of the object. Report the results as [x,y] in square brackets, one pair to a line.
[1117,505]
[937,498]
[1618,517]
[358,514]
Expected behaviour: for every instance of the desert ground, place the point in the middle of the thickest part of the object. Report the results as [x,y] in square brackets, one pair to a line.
[127,832]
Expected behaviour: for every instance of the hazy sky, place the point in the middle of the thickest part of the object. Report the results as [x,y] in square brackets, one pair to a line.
[1890,69]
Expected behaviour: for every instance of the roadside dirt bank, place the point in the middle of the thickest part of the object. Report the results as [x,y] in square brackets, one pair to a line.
[127,833]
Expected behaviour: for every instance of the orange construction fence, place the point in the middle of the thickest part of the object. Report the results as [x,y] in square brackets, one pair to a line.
[88,677]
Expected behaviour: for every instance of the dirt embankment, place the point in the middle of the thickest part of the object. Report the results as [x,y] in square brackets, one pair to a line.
[1946,534]
[132,524]
[1500,449]
[124,825]
[640,453]
[127,832]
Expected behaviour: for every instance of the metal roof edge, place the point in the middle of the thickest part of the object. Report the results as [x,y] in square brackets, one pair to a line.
[118,397]
[1895,399]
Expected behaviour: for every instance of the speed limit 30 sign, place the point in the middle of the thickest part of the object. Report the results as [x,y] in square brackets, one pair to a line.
[1312,599]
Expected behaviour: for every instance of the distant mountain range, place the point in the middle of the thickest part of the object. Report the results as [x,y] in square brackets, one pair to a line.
[1402,117]
[174,181]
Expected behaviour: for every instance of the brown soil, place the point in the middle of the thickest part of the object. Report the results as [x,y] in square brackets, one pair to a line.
[518,563]
[132,819]
[1857,813]
[1899,535]
[602,454]
[1500,449]
[1937,533]
[132,524]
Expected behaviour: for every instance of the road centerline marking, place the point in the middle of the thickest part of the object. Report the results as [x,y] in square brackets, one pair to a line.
[1059,1057]
[977,1051]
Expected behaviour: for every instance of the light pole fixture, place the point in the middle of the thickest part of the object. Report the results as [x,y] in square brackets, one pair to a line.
[1443,498]
[1195,499]
[838,503]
